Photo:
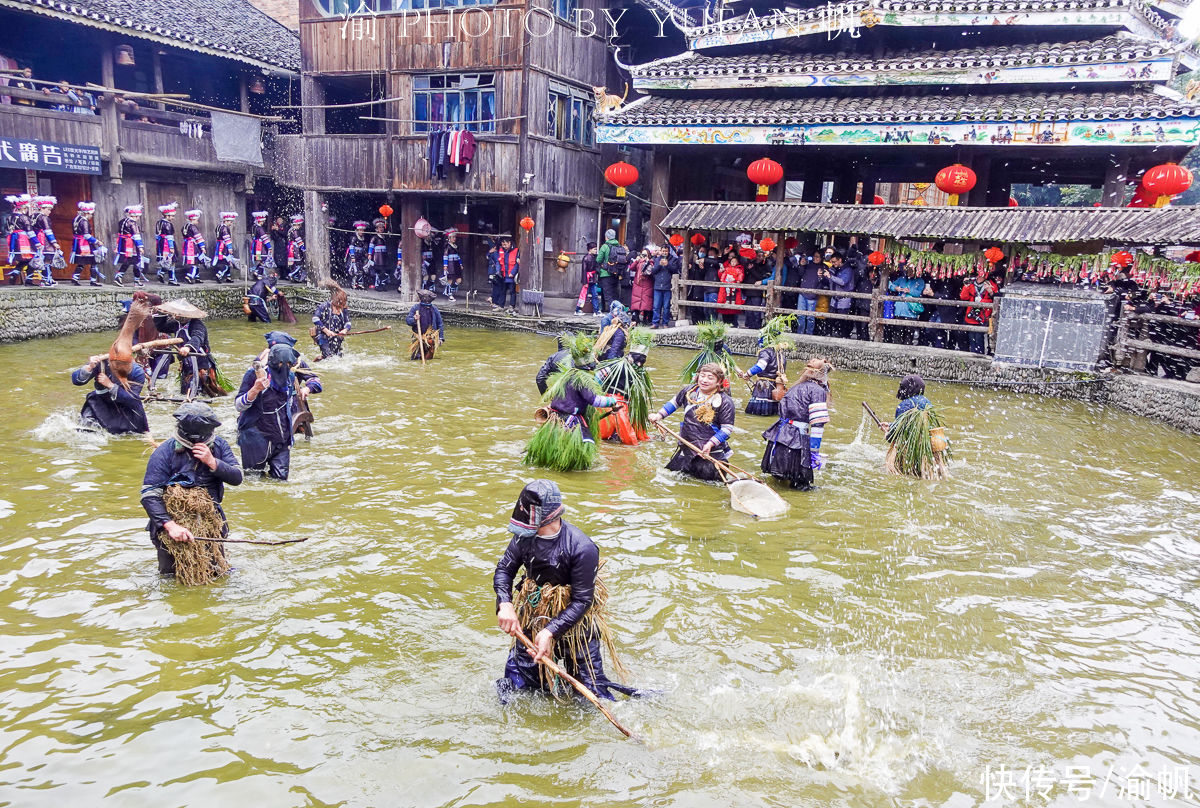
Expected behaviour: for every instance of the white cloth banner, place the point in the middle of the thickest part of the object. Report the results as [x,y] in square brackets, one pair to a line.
[237,138]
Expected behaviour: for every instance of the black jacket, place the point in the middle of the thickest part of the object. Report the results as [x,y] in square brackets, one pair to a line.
[571,559]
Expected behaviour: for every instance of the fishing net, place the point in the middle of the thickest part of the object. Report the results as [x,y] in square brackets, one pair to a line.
[196,562]
[913,437]
[536,606]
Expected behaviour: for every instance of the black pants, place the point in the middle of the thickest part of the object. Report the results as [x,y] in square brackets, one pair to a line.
[899,334]
[610,290]
[521,672]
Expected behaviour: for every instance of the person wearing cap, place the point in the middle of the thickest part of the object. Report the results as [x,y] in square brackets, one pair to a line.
[554,553]
[263,290]
[86,249]
[378,249]
[266,402]
[223,252]
[164,243]
[193,247]
[356,255]
[452,273]
[296,251]
[114,407]
[424,317]
[612,261]
[21,239]
[131,252]
[195,457]
[331,322]
[43,233]
[262,247]
[610,344]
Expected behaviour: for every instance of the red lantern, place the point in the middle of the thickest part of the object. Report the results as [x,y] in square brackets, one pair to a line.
[676,240]
[993,255]
[764,173]
[790,243]
[1012,202]
[747,253]
[1165,181]
[527,224]
[622,175]
[1122,259]
[876,258]
[878,200]
[1141,198]
[1193,257]
[385,210]
[698,239]
[954,180]
[767,244]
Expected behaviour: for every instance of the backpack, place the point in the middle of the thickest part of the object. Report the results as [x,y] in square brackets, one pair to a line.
[618,259]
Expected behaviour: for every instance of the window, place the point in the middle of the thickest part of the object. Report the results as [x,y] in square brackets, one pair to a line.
[340,8]
[569,115]
[565,9]
[465,98]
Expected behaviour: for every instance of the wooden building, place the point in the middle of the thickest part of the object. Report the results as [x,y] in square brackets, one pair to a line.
[148,81]
[378,79]
[847,96]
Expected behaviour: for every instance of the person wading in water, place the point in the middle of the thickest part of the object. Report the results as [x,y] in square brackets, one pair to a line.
[559,604]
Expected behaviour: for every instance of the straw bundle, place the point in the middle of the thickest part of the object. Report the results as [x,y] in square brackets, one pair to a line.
[711,337]
[536,606]
[554,446]
[196,562]
[428,341]
[912,446]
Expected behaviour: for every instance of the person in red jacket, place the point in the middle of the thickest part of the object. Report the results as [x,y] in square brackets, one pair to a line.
[508,269]
[981,290]
[731,272]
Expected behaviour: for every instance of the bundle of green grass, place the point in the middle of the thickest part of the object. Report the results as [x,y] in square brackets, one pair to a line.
[918,445]
[557,444]
[711,336]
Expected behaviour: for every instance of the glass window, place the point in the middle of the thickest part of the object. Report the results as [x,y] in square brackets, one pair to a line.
[468,99]
[565,9]
[569,115]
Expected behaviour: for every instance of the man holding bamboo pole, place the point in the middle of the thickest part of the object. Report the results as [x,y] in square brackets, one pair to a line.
[560,602]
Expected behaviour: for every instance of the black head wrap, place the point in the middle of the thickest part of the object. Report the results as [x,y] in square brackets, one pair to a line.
[196,422]
[911,385]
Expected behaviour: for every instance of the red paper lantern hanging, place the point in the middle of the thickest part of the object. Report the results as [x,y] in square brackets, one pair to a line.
[1012,202]
[1193,257]
[878,200]
[767,244]
[764,173]
[1122,258]
[1141,198]
[622,175]
[527,224]
[698,239]
[993,255]
[385,210]
[676,240]
[790,243]
[876,258]
[955,180]
[747,253]
[1165,181]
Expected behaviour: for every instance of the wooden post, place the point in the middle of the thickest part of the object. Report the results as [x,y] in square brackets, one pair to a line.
[532,245]
[110,129]
[312,92]
[875,327]
[158,78]
[316,236]
[410,211]
[676,287]
[244,106]
[660,184]
[1115,177]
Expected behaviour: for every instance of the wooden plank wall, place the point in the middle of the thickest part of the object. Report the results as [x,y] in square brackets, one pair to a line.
[494,169]
[45,124]
[148,140]
[564,170]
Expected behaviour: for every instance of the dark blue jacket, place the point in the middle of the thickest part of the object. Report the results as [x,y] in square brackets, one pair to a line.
[569,559]
[171,464]
[663,274]
[430,316]
[118,410]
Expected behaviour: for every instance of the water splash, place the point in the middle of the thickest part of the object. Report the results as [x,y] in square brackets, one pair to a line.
[63,427]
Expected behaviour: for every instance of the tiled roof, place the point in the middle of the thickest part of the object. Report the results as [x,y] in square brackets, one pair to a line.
[1111,48]
[230,28]
[851,9]
[1124,226]
[899,107]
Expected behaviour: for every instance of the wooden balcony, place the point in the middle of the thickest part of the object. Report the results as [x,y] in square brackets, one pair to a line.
[34,123]
[382,163]
[175,140]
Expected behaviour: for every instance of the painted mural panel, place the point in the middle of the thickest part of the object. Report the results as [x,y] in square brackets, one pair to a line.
[1172,131]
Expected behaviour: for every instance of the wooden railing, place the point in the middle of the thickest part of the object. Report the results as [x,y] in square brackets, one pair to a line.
[1133,343]
[772,295]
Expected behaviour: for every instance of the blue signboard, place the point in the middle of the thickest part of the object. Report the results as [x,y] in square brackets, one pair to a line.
[46,155]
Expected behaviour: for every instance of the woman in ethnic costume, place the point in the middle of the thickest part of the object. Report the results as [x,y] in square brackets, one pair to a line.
[794,441]
[769,371]
[708,414]
[565,441]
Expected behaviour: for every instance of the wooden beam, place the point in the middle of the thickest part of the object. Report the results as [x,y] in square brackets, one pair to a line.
[110,132]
